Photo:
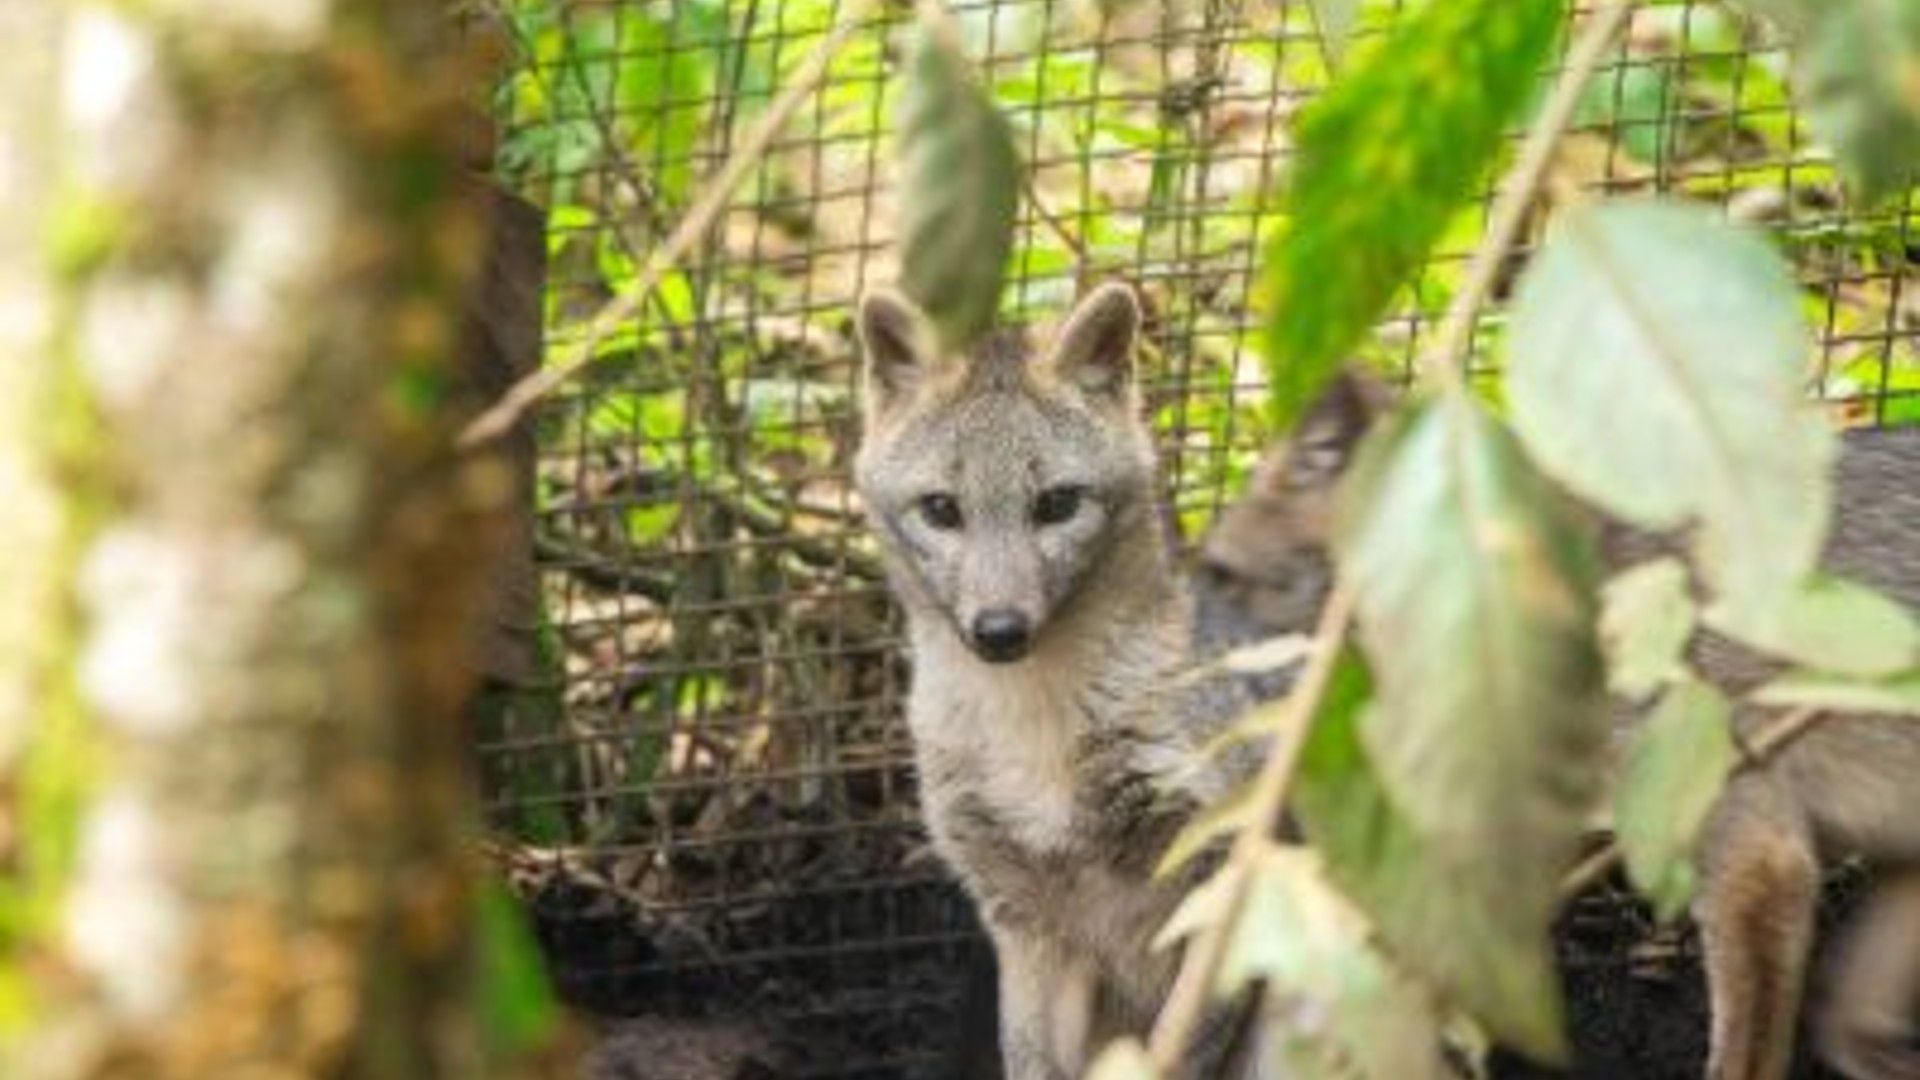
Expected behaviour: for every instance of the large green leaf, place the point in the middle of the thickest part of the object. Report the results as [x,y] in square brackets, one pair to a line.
[1827,623]
[1645,622]
[1476,595]
[1678,763]
[1657,368]
[959,189]
[1857,70]
[1483,944]
[1384,159]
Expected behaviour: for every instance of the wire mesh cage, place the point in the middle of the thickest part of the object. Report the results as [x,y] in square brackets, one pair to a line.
[704,787]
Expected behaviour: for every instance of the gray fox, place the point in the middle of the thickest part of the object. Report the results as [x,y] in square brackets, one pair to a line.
[1847,786]
[1015,496]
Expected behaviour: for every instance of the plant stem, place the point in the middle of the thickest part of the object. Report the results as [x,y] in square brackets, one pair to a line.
[718,191]
[1443,364]
[1200,965]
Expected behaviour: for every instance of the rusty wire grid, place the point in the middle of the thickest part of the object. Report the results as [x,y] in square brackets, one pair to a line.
[707,791]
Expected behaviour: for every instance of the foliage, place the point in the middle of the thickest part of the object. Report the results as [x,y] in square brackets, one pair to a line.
[1646,619]
[1485,739]
[518,1010]
[1857,64]
[961,185]
[1414,123]
[1450,927]
[1645,333]
[1621,384]
[1679,759]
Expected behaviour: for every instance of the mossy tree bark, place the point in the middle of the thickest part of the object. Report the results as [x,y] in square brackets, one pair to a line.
[257,246]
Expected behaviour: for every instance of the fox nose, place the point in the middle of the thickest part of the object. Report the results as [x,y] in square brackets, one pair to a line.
[1001,635]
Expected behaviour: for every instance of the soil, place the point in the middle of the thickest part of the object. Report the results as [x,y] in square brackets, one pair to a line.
[878,982]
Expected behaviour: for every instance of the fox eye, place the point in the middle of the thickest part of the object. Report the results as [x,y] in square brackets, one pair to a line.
[941,510]
[1057,505]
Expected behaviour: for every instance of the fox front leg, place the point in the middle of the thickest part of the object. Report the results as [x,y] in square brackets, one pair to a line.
[1046,1008]
[1759,884]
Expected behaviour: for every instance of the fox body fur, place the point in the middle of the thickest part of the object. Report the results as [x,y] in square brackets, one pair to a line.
[1015,493]
[1850,785]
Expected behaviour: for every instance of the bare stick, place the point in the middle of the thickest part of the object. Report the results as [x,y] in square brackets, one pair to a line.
[718,190]
[1772,739]
[1200,965]
[1444,362]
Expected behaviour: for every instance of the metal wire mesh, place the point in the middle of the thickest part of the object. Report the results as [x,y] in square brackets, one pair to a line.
[708,793]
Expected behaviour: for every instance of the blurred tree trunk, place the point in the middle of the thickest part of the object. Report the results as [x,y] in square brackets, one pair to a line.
[250,266]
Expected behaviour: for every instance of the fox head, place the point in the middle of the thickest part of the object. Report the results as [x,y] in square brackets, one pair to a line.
[1269,549]
[1000,478]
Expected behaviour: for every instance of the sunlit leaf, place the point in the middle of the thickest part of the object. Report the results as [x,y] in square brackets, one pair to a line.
[1645,621]
[1657,364]
[1314,950]
[1897,696]
[1827,623]
[1413,125]
[1484,944]
[1857,70]
[1475,596]
[1677,765]
[959,185]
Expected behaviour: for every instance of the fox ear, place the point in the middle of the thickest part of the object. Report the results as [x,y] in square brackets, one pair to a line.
[1094,350]
[899,348]
[1329,431]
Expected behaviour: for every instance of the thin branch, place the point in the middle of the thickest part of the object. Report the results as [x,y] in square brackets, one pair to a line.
[1772,739]
[1083,261]
[1444,362]
[502,415]
[1200,966]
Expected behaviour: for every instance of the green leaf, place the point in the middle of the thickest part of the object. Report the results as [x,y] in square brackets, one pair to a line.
[1313,948]
[1123,1059]
[1637,102]
[1384,159]
[1480,942]
[1827,623]
[1656,369]
[1475,597]
[1857,70]
[1674,771]
[517,1008]
[1646,619]
[1899,696]
[959,188]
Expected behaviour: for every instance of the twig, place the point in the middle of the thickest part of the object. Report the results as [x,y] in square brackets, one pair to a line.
[1200,965]
[1443,362]
[523,395]
[1083,263]
[1772,739]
